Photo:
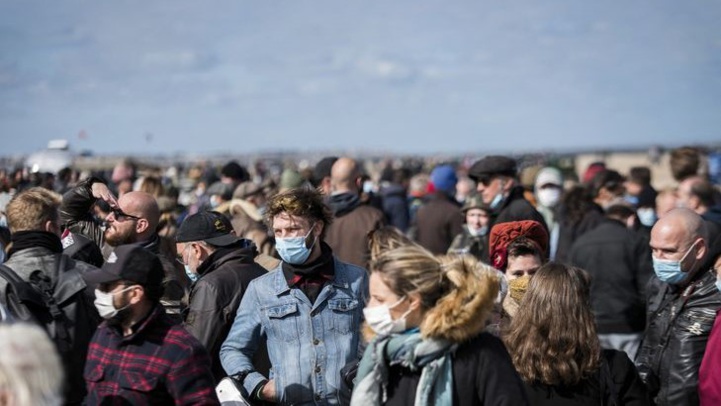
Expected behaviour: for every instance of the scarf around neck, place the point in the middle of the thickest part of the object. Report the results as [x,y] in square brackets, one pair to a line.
[432,356]
[30,239]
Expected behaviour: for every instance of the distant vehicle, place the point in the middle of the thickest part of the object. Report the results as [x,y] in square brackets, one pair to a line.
[52,159]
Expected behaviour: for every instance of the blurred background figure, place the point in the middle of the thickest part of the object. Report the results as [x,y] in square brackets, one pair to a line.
[30,370]
[474,237]
[439,219]
[548,190]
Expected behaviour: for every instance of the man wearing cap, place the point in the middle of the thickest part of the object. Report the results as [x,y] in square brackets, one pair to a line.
[475,232]
[308,310]
[495,176]
[221,266]
[139,355]
[439,219]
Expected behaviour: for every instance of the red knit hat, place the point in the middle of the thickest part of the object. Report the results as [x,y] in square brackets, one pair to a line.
[503,234]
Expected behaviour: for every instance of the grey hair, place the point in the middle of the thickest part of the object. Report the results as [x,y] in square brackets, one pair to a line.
[30,369]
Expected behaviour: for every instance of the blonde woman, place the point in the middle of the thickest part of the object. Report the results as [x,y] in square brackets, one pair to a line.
[428,315]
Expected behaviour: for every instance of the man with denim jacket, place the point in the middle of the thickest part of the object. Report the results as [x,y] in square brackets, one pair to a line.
[308,310]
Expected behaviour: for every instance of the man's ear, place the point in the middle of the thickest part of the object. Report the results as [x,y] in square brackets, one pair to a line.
[51,227]
[141,226]
[701,251]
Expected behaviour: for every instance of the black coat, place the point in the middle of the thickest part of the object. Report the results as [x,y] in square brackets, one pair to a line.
[483,374]
[517,208]
[215,297]
[619,261]
[673,347]
[627,385]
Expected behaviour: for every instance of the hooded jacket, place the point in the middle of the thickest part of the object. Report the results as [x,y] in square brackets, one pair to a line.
[348,234]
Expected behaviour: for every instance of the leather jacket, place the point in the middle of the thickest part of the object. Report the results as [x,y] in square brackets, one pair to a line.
[215,297]
[679,321]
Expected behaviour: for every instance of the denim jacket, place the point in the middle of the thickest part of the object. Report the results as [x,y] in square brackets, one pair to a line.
[308,344]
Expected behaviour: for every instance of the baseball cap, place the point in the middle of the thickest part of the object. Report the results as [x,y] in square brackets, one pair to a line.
[209,226]
[129,262]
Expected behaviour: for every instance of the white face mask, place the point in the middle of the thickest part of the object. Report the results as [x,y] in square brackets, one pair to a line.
[104,303]
[548,197]
[379,319]
[478,232]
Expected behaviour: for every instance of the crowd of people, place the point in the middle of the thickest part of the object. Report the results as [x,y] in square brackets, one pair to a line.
[452,284]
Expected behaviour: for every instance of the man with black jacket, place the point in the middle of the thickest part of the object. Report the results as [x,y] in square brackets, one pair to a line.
[619,262]
[221,266]
[498,186]
[682,304]
[133,219]
[36,247]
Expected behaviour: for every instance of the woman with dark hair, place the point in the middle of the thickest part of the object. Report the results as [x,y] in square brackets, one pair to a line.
[428,314]
[554,346]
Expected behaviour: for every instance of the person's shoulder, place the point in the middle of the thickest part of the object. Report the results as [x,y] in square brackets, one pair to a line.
[349,269]
[483,343]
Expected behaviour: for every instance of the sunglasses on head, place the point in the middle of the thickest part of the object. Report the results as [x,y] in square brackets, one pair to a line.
[118,212]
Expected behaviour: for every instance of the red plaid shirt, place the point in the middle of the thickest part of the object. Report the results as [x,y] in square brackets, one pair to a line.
[159,364]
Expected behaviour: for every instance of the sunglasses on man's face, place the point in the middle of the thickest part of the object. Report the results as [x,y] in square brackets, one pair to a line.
[485,180]
[119,213]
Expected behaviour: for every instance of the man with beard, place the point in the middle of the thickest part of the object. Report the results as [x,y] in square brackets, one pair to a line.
[133,219]
[308,311]
[139,355]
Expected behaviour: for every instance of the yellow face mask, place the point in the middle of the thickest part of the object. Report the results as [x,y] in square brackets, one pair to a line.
[517,287]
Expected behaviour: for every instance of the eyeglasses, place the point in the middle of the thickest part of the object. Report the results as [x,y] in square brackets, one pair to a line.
[118,212]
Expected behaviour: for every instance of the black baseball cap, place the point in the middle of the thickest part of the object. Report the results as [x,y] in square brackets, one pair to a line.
[209,226]
[129,262]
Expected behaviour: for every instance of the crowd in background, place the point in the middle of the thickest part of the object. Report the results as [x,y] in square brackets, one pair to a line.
[495,281]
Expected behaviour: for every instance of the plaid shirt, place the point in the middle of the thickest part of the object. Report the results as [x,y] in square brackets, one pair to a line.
[159,364]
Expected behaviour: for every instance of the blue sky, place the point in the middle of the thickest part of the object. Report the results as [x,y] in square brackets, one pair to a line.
[401,76]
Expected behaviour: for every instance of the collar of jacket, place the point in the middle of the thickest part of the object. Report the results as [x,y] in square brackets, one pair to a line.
[280,283]
[221,255]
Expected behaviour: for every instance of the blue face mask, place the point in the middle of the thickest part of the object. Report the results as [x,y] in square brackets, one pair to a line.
[670,271]
[718,284]
[293,250]
[647,216]
[191,275]
[498,198]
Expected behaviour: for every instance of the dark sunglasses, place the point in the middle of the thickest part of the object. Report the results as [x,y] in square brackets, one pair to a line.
[485,180]
[120,213]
